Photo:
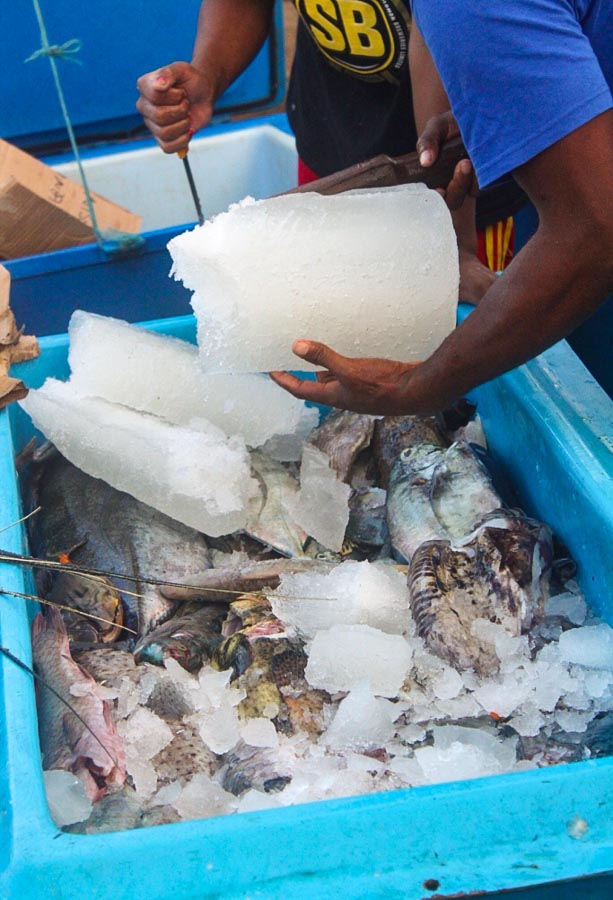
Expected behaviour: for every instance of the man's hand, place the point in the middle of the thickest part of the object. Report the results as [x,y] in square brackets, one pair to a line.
[366,385]
[175,101]
[436,132]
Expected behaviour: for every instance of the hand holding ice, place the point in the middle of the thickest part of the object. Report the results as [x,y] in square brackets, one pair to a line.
[370,272]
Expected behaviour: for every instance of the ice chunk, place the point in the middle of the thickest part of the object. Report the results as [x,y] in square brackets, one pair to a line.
[252,801]
[371,272]
[199,478]
[288,447]
[322,505]
[343,656]
[218,728]
[352,593]
[144,734]
[529,722]
[167,794]
[460,753]
[154,373]
[66,797]
[569,605]
[259,732]
[591,645]
[447,683]
[502,695]
[362,721]
[203,798]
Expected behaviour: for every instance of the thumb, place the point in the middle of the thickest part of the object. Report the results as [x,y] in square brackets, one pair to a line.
[321,355]
[170,76]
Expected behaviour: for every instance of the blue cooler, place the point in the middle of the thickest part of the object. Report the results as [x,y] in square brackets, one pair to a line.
[548,424]
[551,427]
[229,159]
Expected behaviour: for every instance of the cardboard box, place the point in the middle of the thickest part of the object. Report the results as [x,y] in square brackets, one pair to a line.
[42,210]
[14,346]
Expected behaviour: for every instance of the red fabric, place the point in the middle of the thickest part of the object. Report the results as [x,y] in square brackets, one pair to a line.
[305,174]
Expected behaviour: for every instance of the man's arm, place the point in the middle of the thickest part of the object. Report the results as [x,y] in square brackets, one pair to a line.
[176,100]
[559,279]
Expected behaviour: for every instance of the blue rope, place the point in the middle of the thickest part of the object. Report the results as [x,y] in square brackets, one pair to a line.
[110,240]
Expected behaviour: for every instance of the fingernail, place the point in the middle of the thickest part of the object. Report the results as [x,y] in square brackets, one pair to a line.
[300,348]
[161,80]
[466,167]
[426,157]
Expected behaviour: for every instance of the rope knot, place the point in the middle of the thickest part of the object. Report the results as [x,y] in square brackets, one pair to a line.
[67,51]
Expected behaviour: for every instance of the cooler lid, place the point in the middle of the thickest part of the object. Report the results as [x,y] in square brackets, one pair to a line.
[119,42]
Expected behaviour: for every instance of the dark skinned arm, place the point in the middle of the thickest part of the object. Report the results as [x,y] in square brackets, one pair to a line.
[177,100]
[558,280]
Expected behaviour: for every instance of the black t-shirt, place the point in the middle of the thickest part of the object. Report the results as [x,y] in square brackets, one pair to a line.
[349,96]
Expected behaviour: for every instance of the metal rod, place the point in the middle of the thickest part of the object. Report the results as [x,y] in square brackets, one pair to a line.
[192,185]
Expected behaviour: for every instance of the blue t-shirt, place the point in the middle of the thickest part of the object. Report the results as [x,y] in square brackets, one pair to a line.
[520,74]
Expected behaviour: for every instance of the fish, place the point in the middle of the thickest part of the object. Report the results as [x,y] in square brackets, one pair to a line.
[93,595]
[190,637]
[499,574]
[113,812]
[342,436]
[410,517]
[270,516]
[368,518]
[227,582]
[253,768]
[393,434]
[437,493]
[89,746]
[185,756]
[273,663]
[103,528]
[461,491]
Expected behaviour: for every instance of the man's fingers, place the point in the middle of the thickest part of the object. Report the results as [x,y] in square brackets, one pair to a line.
[460,185]
[165,114]
[321,355]
[436,131]
[305,389]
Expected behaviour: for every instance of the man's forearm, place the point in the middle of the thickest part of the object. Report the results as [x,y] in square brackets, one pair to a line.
[520,316]
[230,34]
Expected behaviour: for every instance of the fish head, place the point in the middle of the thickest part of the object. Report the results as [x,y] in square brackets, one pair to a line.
[233,653]
[93,596]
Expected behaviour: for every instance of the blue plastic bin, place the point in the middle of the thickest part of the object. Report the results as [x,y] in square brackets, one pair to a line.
[552,427]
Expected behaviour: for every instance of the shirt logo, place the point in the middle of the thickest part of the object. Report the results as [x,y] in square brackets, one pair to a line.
[368,38]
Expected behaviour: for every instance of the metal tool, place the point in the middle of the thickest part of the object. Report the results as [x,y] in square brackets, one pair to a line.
[182,154]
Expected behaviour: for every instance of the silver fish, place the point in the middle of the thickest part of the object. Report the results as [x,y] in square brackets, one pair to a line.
[410,517]
[500,574]
[461,491]
[342,436]
[393,434]
[270,517]
[109,530]
[368,518]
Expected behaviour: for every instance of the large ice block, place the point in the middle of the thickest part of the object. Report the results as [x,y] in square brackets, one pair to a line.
[174,469]
[160,374]
[370,272]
